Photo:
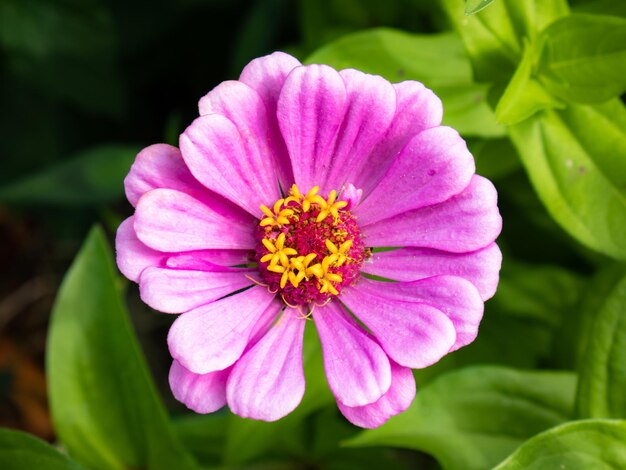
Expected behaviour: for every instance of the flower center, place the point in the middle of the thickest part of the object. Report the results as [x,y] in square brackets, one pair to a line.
[309,247]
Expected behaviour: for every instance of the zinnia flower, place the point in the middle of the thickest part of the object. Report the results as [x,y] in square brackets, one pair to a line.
[273,212]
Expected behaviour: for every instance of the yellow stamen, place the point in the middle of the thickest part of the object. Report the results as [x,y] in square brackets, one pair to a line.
[316,270]
[311,198]
[278,217]
[338,255]
[324,276]
[330,207]
[277,252]
[301,264]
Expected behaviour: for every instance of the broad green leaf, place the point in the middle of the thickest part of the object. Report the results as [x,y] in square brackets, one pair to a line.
[576,161]
[474,6]
[494,36]
[437,60]
[583,58]
[248,439]
[602,387]
[93,177]
[474,417]
[524,95]
[20,451]
[67,50]
[104,404]
[580,445]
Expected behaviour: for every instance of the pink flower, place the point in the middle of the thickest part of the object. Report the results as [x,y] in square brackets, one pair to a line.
[280,194]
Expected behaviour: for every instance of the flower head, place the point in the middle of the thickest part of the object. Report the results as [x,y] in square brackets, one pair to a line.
[274,211]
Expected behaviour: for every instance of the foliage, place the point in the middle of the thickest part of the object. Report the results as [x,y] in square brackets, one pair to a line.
[536,87]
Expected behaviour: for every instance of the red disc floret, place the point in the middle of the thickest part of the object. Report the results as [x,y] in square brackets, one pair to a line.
[308,252]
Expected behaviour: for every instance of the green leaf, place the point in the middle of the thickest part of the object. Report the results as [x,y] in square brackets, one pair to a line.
[524,95]
[602,388]
[494,36]
[19,451]
[474,417]
[583,58]
[474,6]
[580,445]
[104,404]
[576,161]
[93,177]
[437,60]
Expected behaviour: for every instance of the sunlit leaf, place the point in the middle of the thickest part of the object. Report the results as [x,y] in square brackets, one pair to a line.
[474,6]
[583,58]
[580,445]
[576,160]
[524,95]
[494,36]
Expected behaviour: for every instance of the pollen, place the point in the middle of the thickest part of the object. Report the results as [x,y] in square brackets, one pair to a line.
[309,247]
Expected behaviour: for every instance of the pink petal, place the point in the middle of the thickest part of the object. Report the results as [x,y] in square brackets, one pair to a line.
[267,75]
[159,166]
[259,129]
[214,336]
[132,255]
[172,221]
[176,290]
[466,222]
[205,393]
[480,267]
[417,109]
[413,334]
[205,260]
[202,393]
[395,401]
[370,107]
[233,164]
[434,166]
[456,297]
[310,110]
[267,383]
[357,369]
